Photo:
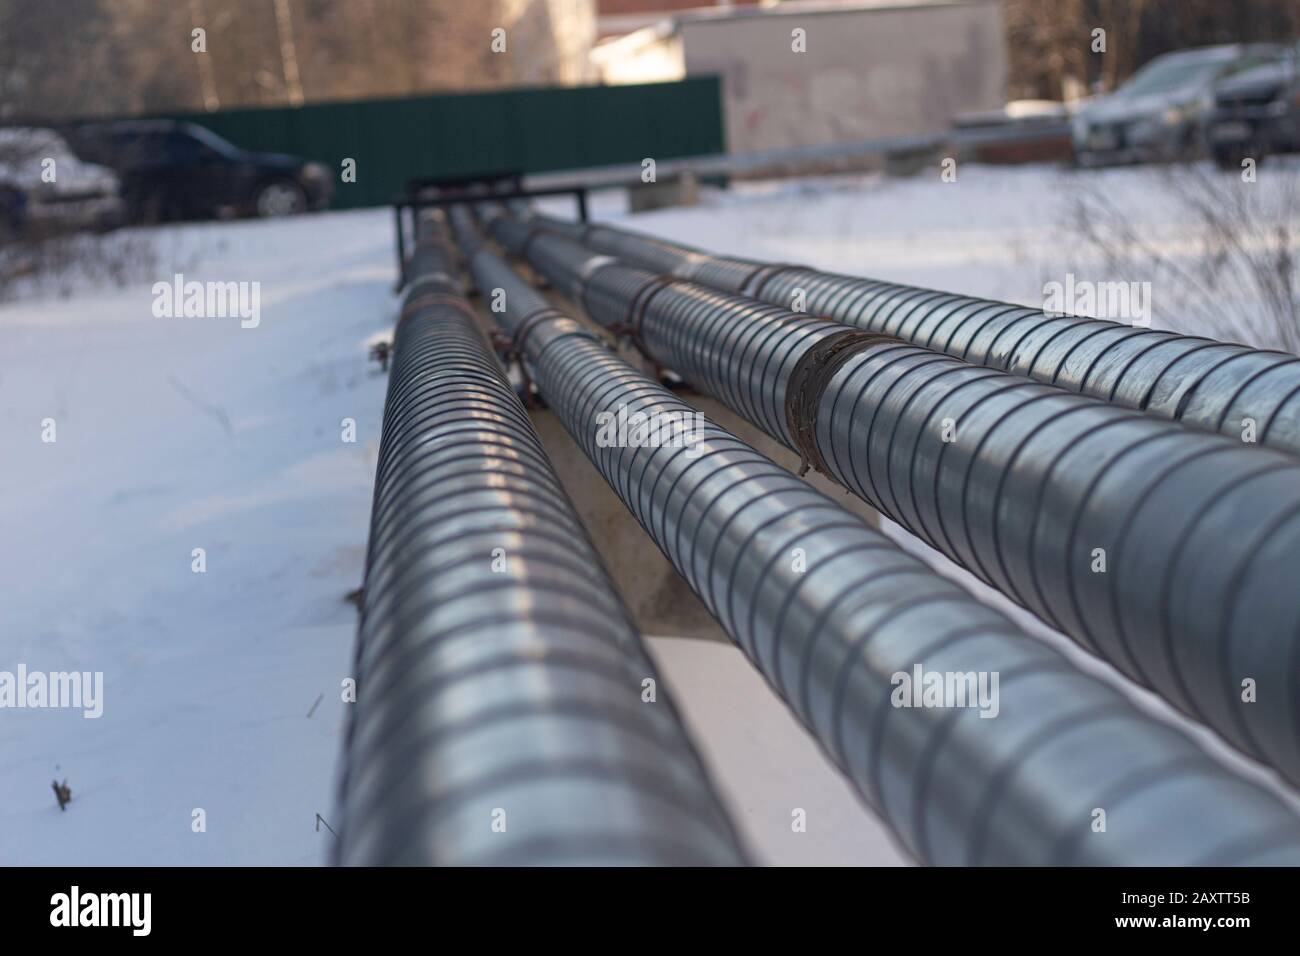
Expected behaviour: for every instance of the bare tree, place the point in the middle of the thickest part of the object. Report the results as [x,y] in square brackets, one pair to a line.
[84,58]
[1224,266]
[55,58]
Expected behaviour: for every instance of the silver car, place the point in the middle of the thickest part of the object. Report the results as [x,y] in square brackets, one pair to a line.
[45,189]
[1160,113]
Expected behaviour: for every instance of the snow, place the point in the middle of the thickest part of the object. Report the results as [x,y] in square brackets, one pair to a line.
[222,688]
[766,766]
[175,434]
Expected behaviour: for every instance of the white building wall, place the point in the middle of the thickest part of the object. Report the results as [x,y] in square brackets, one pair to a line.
[867,71]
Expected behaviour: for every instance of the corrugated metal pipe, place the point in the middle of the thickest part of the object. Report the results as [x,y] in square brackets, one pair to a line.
[1169,552]
[1054,767]
[499,714]
[1249,394]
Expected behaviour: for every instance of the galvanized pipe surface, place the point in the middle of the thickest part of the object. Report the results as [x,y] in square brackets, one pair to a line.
[1214,386]
[1168,552]
[499,715]
[832,612]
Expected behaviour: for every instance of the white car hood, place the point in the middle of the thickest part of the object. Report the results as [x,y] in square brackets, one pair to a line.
[22,164]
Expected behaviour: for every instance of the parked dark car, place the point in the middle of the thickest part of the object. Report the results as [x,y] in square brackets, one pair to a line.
[1257,112]
[1159,114]
[171,170]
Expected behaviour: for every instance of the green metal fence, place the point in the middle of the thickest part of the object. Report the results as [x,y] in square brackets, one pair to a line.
[528,130]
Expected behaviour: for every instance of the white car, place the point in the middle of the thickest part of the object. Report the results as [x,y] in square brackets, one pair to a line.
[45,189]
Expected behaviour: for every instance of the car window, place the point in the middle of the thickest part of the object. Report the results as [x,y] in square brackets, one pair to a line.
[1161,77]
[210,139]
[94,146]
[137,149]
[183,148]
[1252,60]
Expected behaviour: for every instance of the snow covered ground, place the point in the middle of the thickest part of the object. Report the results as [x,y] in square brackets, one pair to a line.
[221,688]
[172,435]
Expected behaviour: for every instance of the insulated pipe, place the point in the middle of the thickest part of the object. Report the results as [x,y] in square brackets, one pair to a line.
[1249,394]
[499,716]
[839,619]
[1170,553]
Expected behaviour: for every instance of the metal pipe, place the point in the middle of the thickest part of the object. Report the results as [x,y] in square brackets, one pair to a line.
[1168,552]
[839,619]
[499,714]
[1250,394]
